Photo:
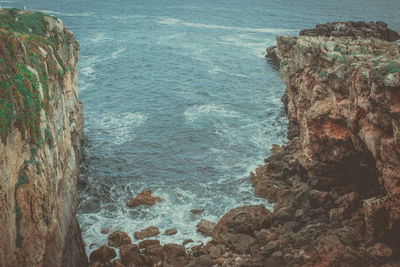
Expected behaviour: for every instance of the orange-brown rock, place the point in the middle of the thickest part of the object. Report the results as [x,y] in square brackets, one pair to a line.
[144,198]
[118,238]
[102,254]
[146,233]
[130,255]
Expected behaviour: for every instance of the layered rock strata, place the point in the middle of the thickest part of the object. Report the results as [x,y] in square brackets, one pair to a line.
[41,129]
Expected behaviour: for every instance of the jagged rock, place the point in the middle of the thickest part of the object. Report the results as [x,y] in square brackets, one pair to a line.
[130,255]
[242,220]
[144,198]
[118,238]
[102,254]
[170,231]
[148,242]
[146,233]
[205,227]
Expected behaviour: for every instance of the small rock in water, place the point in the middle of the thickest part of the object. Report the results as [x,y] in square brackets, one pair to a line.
[196,211]
[148,232]
[206,227]
[105,231]
[170,231]
[144,198]
[187,241]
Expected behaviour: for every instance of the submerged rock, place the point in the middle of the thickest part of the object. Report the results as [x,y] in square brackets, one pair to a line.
[144,198]
[170,231]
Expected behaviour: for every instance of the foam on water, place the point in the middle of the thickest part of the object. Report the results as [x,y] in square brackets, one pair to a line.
[119,127]
[174,21]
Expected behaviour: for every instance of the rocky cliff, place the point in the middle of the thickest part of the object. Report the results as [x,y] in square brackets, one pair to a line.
[41,129]
[336,183]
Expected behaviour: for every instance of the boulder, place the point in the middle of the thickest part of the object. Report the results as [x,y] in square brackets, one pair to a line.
[144,198]
[206,227]
[118,238]
[242,220]
[130,255]
[146,233]
[102,254]
[153,253]
[148,242]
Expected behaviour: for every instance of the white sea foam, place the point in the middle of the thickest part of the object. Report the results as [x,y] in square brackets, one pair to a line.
[99,37]
[115,54]
[174,21]
[120,127]
[194,112]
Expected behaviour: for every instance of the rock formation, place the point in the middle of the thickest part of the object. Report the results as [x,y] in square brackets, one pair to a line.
[336,182]
[41,129]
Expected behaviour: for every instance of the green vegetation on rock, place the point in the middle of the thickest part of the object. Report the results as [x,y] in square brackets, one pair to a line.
[23,93]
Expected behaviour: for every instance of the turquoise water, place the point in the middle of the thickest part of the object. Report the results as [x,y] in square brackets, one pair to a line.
[179,99]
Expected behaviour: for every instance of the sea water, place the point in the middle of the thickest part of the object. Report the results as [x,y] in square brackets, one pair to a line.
[179,99]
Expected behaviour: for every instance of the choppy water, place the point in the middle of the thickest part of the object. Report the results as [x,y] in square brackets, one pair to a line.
[179,99]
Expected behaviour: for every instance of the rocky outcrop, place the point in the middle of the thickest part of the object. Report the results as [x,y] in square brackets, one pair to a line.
[144,198]
[41,129]
[335,183]
[353,29]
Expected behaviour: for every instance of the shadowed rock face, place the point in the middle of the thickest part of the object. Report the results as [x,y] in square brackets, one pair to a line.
[41,133]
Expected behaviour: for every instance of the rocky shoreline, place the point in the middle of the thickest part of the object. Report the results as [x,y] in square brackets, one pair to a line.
[335,183]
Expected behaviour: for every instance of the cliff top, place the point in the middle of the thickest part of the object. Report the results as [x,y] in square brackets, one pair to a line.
[32,49]
[358,29]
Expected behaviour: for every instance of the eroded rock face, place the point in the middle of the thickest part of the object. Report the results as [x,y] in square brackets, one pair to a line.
[40,144]
[335,183]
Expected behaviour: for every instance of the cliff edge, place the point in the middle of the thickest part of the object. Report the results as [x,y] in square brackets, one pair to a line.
[41,129]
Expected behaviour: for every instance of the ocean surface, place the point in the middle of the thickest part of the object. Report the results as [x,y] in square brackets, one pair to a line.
[179,99]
